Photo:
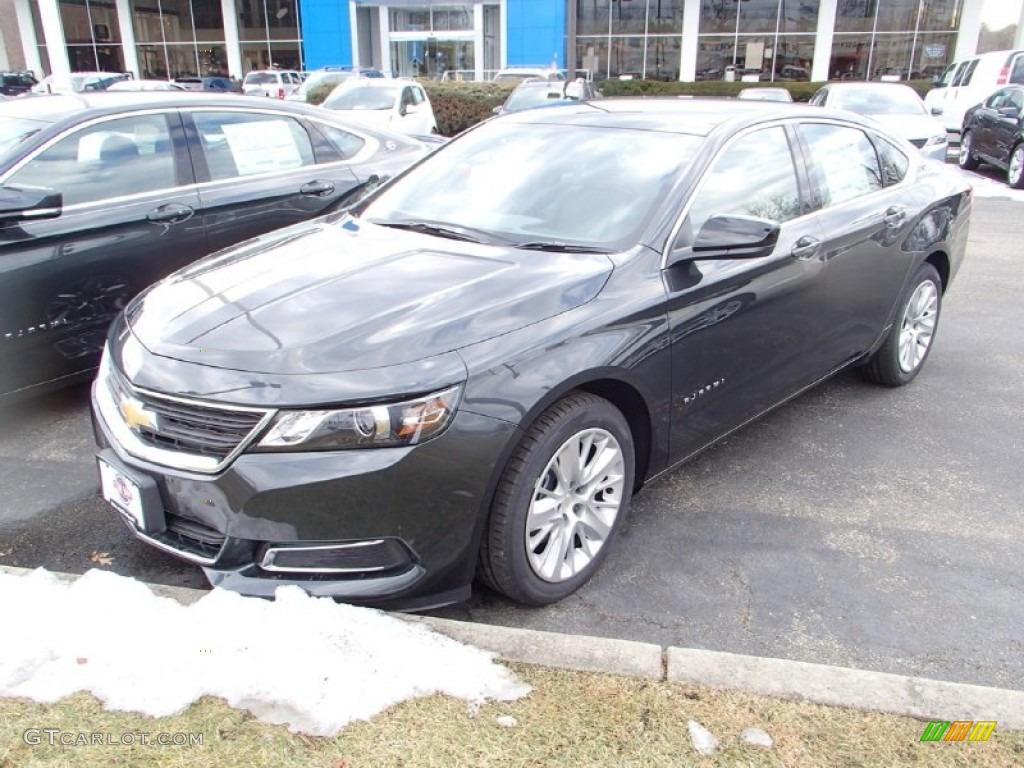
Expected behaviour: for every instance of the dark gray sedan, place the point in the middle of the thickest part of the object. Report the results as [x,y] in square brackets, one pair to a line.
[473,370]
[102,194]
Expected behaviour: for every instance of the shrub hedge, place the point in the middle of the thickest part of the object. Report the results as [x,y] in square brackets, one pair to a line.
[458,106]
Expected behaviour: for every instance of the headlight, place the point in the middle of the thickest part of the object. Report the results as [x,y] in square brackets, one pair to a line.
[936,140]
[370,426]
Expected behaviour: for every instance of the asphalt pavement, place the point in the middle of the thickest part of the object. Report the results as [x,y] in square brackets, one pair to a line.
[856,526]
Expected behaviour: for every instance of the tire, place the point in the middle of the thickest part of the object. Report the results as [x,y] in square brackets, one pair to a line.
[966,159]
[544,540]
[1015,170]
[910,339]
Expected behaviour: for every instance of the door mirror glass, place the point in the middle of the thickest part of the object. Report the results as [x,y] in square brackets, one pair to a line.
[25,203]
[1009,111]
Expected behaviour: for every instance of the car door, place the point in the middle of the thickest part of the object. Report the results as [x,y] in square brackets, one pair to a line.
[743,330]
[127,219]
[1006,124]
[984,124]
[261,170]
[865,208]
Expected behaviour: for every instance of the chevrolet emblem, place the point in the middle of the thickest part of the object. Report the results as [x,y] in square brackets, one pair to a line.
[135,414]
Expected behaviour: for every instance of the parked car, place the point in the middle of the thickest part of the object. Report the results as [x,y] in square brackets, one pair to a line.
[971,80]
[993,132]
[16,83]
[396,105]
[474,368]
[765,94]
[275,83]
[517,74]
[145,85]
[100,195]
[896,106]
[78,82]
[539,93]
[214,83]
[331,76]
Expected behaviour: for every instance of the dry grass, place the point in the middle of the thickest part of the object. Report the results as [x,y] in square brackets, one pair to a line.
[570,719]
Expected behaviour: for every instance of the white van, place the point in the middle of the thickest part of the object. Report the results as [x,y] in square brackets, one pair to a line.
[970,81]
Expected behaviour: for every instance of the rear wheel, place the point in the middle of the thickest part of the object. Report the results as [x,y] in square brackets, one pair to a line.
[966,159]
[560,502]
[906,348]
[1015,171]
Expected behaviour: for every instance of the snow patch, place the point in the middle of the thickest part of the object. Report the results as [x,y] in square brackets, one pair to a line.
[310,663]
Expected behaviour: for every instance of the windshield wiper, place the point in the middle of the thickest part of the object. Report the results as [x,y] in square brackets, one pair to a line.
[440,229]
[552,245]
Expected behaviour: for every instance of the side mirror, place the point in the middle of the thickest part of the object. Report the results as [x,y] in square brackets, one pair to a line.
[731,237]
[1011,112]
[27,203]
[936,110]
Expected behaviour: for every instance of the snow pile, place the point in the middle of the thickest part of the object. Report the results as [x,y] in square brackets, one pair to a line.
[308,662]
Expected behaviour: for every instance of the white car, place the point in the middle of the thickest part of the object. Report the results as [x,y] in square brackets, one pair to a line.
[275,83]
[396,105]
[897,107]
[970,81]
[78,82]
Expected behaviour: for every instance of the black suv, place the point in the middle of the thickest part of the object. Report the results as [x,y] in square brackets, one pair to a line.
[16,83]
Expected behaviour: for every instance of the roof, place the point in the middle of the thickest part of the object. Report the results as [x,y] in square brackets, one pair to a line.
[696,117]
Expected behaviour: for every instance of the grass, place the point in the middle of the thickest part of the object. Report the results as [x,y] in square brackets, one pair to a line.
[570,719]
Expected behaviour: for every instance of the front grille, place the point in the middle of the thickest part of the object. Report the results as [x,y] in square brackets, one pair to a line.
[185,427]
[919,142]
[190,537]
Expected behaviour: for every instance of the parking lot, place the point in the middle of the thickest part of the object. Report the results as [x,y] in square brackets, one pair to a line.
[856,526]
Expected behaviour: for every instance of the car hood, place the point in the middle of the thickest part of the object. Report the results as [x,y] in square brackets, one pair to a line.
[340,294]
[912,127]
[371,118]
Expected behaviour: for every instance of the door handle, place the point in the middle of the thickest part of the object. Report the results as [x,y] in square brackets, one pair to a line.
[894,217]
[317,188]
[170,213]
[806,248]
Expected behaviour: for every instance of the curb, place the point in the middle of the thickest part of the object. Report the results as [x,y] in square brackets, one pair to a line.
[819,683]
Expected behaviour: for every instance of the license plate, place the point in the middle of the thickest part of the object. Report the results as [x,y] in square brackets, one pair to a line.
[121,491]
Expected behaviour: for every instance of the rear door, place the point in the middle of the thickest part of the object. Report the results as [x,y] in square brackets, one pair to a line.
[1006,127]
[129,200]
[260,170]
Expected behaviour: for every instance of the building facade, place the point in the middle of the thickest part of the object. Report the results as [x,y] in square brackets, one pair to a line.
[779,40]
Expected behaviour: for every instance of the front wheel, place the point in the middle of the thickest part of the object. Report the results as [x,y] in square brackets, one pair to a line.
[906,347]
[966,159]
[560,501]
[1015,171]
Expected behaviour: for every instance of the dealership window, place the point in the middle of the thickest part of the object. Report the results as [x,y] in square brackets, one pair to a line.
[764,39]
[631,38]
[893,39]
[179,38]
[91,34]
[270,34]
[430,40]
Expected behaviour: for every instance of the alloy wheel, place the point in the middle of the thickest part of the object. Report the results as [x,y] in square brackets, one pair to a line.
[575,504]
[918,325]
[1015,173]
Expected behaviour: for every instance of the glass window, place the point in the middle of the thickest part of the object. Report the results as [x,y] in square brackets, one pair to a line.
[855,15]
[968,73]
[891,56]
[894,162]
[629,18]
[718,16]
[799,17]
[755,176]
[455,17]
[245,144]
[592,17]
[664,17]
[940,15]
[115,158]
[663,58]
[850,57]
[844,165]
[592,54]
[758,16]
[714,54]
[794,55]
[932,51]
[348,144]
[1017,70]
[897,15]
[627,57]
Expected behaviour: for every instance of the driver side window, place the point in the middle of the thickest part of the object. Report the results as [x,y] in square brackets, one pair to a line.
[755,176]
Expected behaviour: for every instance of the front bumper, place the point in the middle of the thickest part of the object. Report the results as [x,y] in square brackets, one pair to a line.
[393,527]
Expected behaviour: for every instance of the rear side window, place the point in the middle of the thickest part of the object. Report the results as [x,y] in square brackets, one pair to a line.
[893,161]
[348,144]
[947,76]
[245,144]
[844,165]
[1017,70]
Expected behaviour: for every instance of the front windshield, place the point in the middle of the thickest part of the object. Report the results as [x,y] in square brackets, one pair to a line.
[14,130]
[362,98]
[885,100]
[524,98]
[523,183]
